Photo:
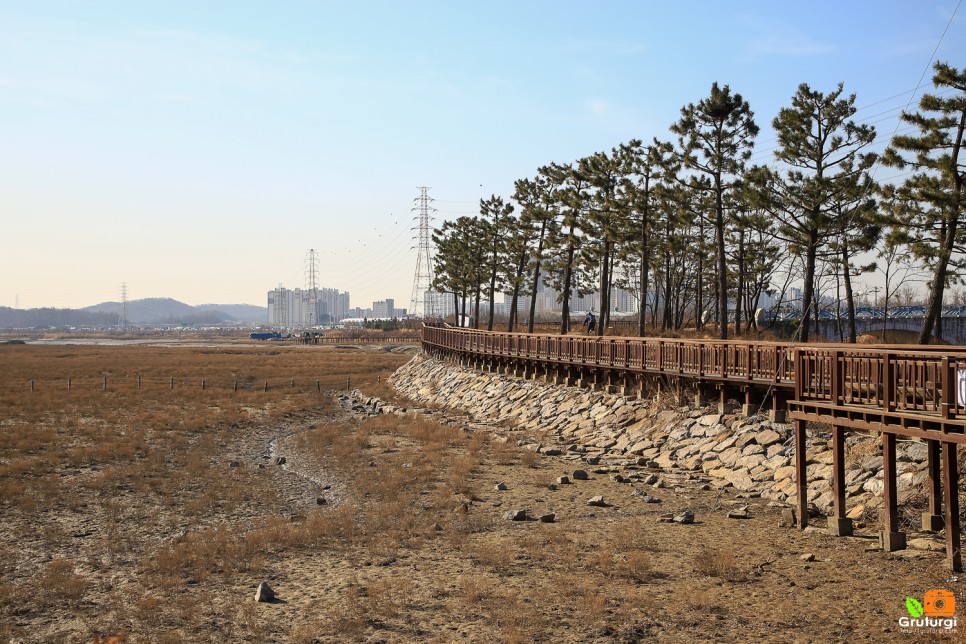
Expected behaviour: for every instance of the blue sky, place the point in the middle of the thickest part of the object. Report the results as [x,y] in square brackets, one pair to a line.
[197,150]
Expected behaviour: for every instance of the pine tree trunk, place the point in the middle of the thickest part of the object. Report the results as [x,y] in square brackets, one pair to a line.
[722,263]
[849,298]
[937,284]
[808,286]
[567,284]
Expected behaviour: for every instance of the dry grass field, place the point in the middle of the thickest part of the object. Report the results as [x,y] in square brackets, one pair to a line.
[154,512]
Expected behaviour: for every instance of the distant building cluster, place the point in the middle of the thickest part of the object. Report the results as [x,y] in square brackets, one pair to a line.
[300,308]
[548,302]
[385,309]
[296,308]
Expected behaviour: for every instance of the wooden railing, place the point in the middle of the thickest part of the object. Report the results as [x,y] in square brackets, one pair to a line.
[757,361]
[909,381]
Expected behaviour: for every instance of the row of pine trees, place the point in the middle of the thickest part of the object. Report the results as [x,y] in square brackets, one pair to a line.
[692,224]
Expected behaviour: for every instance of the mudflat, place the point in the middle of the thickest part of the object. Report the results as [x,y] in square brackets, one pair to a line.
[141,504]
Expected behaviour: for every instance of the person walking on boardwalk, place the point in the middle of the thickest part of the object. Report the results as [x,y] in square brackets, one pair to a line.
[590,322]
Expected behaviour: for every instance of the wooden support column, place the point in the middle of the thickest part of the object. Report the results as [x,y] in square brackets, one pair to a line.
[839,525]
[750,405]
[890,538]
[701,395]
[801,473]
[724,407]
[779,407]
[951,483]
[933,519]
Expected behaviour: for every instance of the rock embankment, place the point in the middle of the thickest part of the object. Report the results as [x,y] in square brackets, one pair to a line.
[750,454]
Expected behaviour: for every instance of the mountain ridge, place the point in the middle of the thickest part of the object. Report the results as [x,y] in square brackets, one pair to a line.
[146,311]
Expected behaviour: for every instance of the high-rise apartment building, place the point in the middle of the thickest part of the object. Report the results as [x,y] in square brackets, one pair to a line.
[291,308]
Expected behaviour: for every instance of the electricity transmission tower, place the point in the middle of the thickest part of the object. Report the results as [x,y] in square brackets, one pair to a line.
[124,305]
[423,303]
[312,285]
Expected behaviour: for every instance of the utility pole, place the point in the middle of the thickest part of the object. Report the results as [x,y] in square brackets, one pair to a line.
[424,303]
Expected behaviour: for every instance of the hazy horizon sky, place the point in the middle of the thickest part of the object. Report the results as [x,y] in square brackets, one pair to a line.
[197,150]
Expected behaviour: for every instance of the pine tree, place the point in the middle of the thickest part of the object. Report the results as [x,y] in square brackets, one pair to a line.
[934,192]
[721,129]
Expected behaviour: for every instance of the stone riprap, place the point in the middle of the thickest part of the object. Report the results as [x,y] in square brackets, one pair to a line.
[750,454]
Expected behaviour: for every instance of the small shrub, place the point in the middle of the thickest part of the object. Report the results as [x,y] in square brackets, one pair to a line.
[721,563]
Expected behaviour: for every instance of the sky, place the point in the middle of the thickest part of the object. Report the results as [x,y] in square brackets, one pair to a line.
[198,150]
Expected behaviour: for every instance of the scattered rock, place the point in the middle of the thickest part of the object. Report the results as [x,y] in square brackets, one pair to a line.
[789,518]
[644,496]
[926,544]
[264,593]
[553,451]
[807,557]
[597,501]
[320,500]
[500,486]
[278,460]
[650,479]
[548,518]
[516,515]
[579,475]
[234,464]
[739,513]
[685,517]
[552,486]
[563,480]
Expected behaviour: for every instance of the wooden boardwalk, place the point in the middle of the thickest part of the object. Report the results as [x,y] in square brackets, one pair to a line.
[889,391]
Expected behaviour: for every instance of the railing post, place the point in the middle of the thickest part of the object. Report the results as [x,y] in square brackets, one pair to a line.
[888,382]
[949,384]
[835,387]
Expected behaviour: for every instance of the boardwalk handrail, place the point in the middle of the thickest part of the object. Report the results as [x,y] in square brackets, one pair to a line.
[892,379]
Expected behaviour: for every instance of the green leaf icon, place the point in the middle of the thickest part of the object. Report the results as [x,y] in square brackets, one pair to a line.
[914,607]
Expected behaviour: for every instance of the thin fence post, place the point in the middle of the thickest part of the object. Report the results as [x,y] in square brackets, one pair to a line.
[266,385]
[293,383]
[105,383]
[202,384]
[31,385]
[348,384]
[172,382]
[234,386]
[139,381]
[318,386]
[68,384]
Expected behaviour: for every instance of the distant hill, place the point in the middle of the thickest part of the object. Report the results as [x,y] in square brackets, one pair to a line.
[240,312]
[164,310]
[149,311]
[45,318]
